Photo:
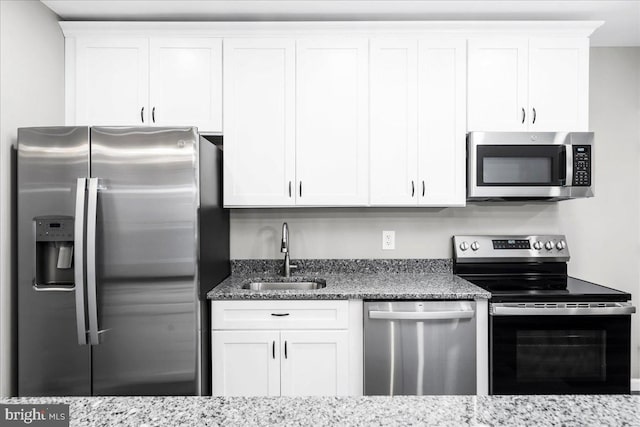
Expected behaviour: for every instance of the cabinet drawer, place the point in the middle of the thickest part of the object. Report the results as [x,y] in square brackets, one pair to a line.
[279,314]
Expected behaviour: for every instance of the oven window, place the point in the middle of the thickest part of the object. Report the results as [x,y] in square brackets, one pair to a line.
[525,170]
[560,354]
[543,355]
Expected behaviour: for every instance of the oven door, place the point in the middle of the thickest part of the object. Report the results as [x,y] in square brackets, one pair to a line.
[560,354]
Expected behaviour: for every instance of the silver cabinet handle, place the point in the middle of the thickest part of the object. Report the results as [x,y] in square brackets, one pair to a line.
[562,309]
[289,188]
[413,189]
[92,293]
[153,114]
[300,188]
[534,116]
[423,188]
[421,315]
[142,114]
[78,264]
[523,115]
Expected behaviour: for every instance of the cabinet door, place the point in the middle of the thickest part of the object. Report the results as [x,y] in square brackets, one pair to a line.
[246,363]
[332,122]
[112,81]
[393,129]
[559,84]
[186,82]
[497,91]
[441,125]
[314,363]
[259,122]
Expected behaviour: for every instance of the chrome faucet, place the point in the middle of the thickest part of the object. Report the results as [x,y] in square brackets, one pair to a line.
[284,248]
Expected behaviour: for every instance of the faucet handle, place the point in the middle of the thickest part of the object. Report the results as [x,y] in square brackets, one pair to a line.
[293,266]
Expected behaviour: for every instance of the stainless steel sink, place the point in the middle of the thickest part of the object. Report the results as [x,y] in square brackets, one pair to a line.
[286,285]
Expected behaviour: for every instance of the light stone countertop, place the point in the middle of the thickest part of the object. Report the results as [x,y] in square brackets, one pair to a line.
[577,410]
[381,286]
[382,279]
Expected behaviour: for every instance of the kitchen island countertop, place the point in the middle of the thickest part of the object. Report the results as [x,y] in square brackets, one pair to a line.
[576,410]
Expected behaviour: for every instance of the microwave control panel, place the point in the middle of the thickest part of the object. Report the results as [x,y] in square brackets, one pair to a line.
[582,165]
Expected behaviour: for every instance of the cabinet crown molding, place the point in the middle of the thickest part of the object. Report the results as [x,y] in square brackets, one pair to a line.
[314,28]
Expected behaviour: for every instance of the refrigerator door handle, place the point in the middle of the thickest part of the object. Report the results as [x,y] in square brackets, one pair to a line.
[92,297]
[79,262]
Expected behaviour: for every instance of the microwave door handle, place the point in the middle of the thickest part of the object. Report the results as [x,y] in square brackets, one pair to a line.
[569,165]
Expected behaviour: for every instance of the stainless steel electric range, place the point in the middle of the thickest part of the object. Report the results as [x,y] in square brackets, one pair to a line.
[548,333]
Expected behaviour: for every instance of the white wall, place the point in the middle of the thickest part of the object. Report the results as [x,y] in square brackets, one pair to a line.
[32,88]
[603,233]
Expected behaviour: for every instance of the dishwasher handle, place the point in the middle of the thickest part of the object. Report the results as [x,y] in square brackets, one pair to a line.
[422,315]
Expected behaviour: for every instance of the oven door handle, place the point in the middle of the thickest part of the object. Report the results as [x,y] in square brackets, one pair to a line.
[623,308]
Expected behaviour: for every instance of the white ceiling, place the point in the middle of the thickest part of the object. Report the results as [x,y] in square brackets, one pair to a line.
[621,28]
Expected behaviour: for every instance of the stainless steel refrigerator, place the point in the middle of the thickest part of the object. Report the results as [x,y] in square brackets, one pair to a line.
[121,233]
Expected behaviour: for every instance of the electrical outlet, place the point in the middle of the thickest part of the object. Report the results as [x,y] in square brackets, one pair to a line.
[388,240]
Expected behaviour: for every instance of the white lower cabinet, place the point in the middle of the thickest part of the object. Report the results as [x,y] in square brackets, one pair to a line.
[246,363]
[314,363]
[309,348]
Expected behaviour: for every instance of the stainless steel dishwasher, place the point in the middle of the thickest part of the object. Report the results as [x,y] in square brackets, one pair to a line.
[419,347]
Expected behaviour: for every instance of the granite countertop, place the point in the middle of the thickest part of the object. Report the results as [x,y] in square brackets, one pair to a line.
[577,410]
[352,279]
[383,286]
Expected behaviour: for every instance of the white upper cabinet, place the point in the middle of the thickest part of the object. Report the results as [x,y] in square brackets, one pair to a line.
[441,126]
[145,81]
[393,122]
[111,82]
[497,91]
[536,84]
[333,114]
[332,122]
[186,82]
[559,84]
[259,122]
[418,122]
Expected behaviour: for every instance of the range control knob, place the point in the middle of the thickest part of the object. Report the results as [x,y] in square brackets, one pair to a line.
[549,245]
[561,245]
[475,246]
[537,246]
[464,246]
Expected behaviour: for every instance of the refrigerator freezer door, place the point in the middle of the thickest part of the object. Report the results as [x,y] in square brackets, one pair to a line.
[146,258]
[50,360]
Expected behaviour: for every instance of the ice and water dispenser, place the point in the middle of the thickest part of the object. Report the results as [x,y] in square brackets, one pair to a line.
[54,251]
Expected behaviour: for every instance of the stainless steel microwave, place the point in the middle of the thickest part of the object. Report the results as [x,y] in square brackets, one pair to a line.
[529,165]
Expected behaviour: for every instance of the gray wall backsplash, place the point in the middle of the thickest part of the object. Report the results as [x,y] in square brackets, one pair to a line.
[357,232]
